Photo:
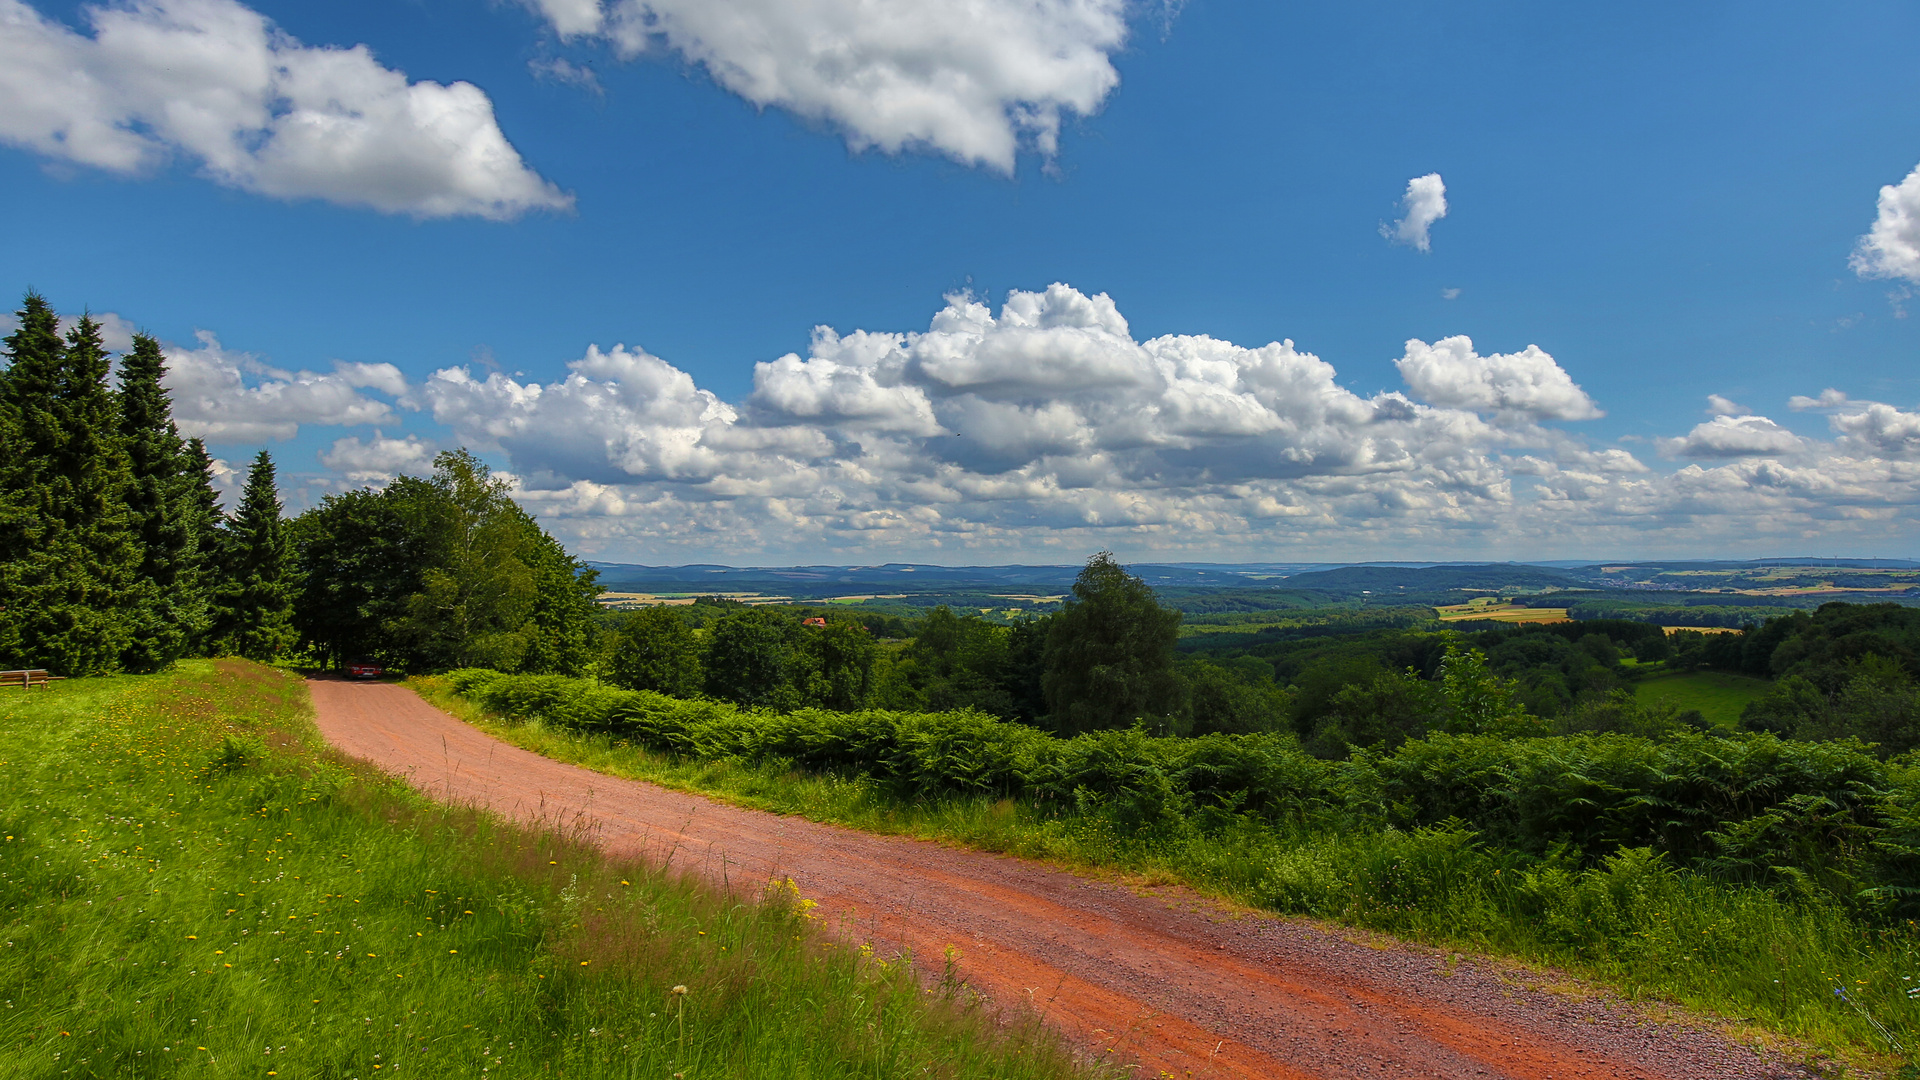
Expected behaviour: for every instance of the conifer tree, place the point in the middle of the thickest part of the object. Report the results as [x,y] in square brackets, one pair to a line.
[254,600]
[70,569]
[207,522]
[38,333]
[34,354]
[160,505]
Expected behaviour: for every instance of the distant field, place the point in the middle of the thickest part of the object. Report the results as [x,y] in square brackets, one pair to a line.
[1718,695]
[1495,611]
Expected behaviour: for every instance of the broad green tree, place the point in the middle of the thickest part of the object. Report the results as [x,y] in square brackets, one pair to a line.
[167,605]
[1110,653]
[494,589]
[69,558]
[476,599]
[254,600]
[842,655]
[1478,701]
[356,564]
[439,572]
[565,601]
[958,663]
[654,649]
[752,656]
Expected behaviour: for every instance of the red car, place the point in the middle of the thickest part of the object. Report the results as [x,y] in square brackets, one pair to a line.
[365,669]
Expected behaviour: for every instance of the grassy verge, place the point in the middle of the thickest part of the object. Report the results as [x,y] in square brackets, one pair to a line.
[1771,964]
[1719,695]
[191,886]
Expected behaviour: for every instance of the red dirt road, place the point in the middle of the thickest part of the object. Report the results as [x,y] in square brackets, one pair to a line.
[1160,976]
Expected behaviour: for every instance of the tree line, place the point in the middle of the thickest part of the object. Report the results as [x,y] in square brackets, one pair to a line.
[116,554]
[1106,660]
[1843,671]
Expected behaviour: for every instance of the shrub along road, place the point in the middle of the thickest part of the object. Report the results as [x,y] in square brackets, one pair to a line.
[1159,976]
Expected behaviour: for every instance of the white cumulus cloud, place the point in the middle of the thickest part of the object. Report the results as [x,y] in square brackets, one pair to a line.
[215,81]
[227,396]
[1044,429]
[1729,436]
[1720,406]
[1891,249]
[379,459]
[973,81]
[1880,430]
[1424,204]
[1529,383]
[1045,418]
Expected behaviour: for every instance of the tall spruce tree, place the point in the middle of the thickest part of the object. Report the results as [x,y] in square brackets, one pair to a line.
[33,352]
[254,600]
[208,524]
[70,560]
[356,562]
[160,501]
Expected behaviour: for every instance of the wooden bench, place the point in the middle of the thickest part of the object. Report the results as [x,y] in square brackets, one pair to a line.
[28,679]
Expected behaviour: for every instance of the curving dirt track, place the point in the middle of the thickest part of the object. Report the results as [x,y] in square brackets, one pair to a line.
[1160,977]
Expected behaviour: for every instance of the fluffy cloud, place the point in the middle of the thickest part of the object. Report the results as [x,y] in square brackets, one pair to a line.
[1043,422]
[972,81]
[217,82]
[1880,430]
[1719,406]
[1729,436]
[379,459]
[214,398]
[1045,429]
[1527,383]
[1424,203]
[621,415]
[1892,248]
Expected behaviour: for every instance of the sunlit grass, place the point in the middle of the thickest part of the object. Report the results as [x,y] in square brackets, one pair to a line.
[1718,695]
[1649,931]
[191,886]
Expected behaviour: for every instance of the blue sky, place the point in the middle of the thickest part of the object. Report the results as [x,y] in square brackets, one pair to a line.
[1643,206]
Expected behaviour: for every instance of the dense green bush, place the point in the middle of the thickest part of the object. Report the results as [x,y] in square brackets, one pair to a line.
[1792,816]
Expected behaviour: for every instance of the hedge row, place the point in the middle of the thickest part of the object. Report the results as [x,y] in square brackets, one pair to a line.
[1749,807]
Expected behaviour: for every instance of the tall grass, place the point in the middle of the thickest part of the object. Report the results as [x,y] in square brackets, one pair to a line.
[191,886]
[1769,958]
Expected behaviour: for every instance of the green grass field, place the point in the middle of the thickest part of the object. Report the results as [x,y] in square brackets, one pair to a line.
[191,885]
[1717,694]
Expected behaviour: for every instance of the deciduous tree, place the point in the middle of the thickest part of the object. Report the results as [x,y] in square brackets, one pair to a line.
[1110,653]
[654,649]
